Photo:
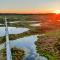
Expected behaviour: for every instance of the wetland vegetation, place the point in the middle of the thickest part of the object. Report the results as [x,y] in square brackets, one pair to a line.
[47,32]
[17,54]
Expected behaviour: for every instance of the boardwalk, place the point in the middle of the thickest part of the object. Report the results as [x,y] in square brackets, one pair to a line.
[8,51]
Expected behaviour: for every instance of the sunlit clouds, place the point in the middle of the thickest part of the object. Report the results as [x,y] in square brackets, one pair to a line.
[29,6]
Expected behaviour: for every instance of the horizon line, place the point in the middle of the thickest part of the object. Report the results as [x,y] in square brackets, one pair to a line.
[26,13]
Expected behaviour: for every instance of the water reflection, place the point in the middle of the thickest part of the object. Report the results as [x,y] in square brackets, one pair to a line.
[12,30]
[26,43]
[2,46]
[38,24]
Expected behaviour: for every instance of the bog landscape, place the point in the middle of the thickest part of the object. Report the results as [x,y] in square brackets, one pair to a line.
[31,36]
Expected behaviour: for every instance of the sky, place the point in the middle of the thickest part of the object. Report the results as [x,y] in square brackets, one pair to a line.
[29,6]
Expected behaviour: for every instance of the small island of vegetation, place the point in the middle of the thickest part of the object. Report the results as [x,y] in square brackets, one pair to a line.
[17,54]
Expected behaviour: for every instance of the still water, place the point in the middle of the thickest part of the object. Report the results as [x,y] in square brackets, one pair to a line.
[25,43]
[12,30]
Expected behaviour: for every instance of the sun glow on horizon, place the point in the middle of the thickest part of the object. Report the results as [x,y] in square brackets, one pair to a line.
[57,11]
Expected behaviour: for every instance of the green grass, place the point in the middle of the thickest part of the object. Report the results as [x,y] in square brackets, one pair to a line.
[49,56]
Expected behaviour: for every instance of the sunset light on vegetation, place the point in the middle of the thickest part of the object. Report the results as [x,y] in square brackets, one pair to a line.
[29,29]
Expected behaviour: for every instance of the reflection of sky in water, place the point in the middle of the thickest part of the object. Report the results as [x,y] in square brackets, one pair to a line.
[12,30]
[23,21]
[36,24]
[28,44]
[2,46]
